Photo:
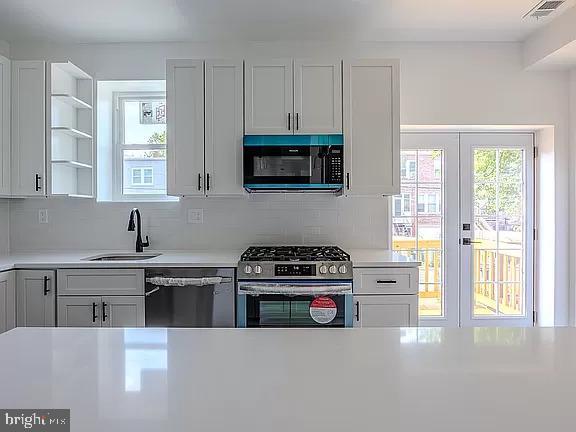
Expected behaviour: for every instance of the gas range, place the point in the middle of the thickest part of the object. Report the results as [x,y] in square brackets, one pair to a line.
[294,263]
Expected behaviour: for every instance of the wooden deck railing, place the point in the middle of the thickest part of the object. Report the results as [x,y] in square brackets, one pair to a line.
[497,276]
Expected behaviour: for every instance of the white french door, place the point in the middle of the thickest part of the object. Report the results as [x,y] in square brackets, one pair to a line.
[425,221]
[497,229]
[466,213]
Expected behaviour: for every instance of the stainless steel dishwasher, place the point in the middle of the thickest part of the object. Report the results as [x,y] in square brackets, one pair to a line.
[190,297]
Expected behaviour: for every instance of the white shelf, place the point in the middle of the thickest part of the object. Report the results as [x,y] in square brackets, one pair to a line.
[73,70]
[71,100]
[71,131]
[72,164]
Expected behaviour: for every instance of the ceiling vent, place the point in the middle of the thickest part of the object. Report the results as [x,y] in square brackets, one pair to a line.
[544,8]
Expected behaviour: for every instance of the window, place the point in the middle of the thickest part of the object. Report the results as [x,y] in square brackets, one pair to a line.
[428,203]
[142,176]
[402,205]
[140,145]
[408,169]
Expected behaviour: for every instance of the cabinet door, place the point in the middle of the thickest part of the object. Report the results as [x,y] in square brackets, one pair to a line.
[386,311]
[7,301]
[317,97]
[79,311]
[28,128]
[35,298]
[4,126]
[123,311]
[185,127]
[268,97]
[372,127]
[224,127]
[99,282]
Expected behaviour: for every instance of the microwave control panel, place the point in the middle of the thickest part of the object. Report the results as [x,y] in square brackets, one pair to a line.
[335,167]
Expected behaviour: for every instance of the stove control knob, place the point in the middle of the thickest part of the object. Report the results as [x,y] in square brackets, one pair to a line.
[258,269]
[323,269]
[333,269]
[342,269]
[248,269]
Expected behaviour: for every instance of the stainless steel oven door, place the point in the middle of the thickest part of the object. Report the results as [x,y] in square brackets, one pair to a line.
[294,304]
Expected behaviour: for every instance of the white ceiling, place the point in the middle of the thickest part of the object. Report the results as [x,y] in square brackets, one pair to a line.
[266,20]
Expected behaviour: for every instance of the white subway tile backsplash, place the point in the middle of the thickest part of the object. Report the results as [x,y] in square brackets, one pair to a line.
[227,223]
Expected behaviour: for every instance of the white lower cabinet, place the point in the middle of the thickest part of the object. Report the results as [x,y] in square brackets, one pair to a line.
[7,301]
[386,297]
[35,298]
[93,311]
[386,311]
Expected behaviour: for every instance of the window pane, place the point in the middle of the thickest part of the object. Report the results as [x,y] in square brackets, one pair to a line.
[408,165]
[484,164]
[145,122]
[429,199]
[144,173]
[485,295]
[429,165]
[404,233]
[430,300]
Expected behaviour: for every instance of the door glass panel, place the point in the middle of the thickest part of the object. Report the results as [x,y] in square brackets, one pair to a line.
[498,253]
[422,237]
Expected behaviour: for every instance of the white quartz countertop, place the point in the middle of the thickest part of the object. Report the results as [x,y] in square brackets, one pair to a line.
[253,380]
[215,258]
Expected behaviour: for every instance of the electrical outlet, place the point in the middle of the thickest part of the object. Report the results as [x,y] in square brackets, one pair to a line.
[43,216]
[195,216]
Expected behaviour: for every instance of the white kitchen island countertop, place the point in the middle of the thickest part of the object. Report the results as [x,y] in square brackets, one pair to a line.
[213,258]
[261,380]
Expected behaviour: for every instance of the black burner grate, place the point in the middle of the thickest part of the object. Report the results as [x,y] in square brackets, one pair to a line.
[294,253]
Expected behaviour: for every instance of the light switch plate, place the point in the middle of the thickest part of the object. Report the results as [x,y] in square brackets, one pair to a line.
[195,216]
[43,216]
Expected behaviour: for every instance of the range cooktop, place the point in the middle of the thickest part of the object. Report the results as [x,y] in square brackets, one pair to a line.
[294,253]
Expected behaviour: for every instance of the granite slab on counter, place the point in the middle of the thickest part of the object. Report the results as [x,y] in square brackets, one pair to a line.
[284,380]
[215,258]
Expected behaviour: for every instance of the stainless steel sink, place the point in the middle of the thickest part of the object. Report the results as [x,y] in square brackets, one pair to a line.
[122,257]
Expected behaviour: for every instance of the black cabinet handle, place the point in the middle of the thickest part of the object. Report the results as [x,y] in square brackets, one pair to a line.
[38,185]
[46,289]
[94,316]
[385,281]
[199,181]
[207,181]
[348,180]
[357,311]
[289,121]
[297,121]
[104,316]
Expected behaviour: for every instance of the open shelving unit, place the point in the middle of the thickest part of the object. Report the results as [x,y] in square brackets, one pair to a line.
[71,143]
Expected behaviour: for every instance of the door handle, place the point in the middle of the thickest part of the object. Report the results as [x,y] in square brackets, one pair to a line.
[104,316]
[357,311]
[289,114]
[46,289]
[199,181]
[467,241]
[94,316]
[38,185]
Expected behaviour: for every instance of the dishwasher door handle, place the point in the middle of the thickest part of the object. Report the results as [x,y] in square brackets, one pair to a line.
[149,293]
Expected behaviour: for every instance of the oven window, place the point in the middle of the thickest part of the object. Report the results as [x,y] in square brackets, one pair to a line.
[282,166]
[273,310]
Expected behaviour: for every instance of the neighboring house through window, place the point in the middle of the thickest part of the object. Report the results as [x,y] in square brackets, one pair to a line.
[402,205]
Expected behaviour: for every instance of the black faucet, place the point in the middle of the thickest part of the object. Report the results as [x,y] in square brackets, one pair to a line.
[140,245]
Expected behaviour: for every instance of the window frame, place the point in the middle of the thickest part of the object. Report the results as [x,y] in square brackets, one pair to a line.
[118,147]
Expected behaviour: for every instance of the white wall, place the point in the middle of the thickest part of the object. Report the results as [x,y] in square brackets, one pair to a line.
[442,84]
[572,111]
[4,48]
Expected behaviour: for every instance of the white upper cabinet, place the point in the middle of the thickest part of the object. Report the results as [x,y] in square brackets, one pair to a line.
[268,97]
[4,126]
[372,127]
[185,128]
[28,128]
[317,97]
[224,127]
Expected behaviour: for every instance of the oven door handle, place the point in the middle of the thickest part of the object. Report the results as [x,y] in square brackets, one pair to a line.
[255,288]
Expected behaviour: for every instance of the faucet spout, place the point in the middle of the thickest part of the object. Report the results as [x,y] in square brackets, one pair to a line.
[140,245]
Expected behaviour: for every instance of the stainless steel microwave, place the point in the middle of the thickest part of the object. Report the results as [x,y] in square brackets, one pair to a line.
[293,163]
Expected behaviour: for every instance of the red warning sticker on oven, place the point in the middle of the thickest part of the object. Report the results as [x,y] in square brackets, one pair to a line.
[323,310]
